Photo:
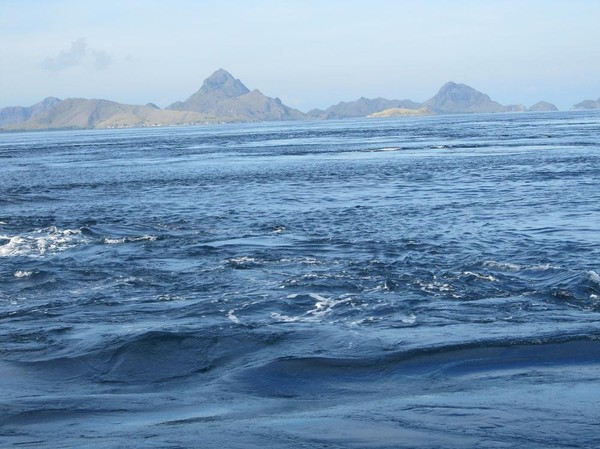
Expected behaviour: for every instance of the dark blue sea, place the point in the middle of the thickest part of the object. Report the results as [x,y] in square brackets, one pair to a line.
[397,283]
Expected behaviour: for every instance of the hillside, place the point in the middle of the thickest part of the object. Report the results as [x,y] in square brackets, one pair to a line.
[223,96]
[360,108]
[455,98]
[17,114]
[542,106]
[223,99]
[586,104]
[79,113]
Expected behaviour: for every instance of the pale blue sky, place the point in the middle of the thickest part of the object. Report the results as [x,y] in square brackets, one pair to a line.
[309,53]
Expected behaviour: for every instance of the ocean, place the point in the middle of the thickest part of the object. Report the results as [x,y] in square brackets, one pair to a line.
[426,282]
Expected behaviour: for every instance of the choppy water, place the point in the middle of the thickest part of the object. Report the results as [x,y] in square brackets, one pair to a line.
[420,282]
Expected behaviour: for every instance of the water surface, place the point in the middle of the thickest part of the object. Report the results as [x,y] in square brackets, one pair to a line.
[413,282]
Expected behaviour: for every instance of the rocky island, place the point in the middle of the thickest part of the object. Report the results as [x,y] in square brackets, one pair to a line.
[225,99]
[586,104]
[542,106]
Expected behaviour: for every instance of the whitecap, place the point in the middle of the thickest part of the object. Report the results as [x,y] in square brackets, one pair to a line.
[436,287]
[302,260]
[544,267]
[278,229]
[409,319]
[242,259]
[232,317]
[142,238]
[284,318]
[594,277]
[514,267]
[23,274]
[369,319]
[480,276]
[322,307]
[502,265]
[40,242]
[14,247]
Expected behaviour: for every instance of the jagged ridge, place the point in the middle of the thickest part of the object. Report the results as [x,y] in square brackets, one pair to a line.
[224,96]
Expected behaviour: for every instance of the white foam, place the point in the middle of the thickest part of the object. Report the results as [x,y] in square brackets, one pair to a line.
[242,260]
[543,267]
[480,276]
[13,247]
[303,260]
[40,242]
[369,319]
[110,241]
[23,274]
[436,286]
[594,277]
[514,267]
[502,265]
[285,318]
[232,317]
[322,307]
[410,319]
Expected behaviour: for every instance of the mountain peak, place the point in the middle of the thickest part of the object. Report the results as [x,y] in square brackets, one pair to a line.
[219,86]
[222,95]
[460,98]
[452,88]
[223,82]
[542,106]
[587,104]
[450,85]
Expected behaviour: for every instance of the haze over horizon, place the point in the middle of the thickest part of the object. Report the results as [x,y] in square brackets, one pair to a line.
[310,54]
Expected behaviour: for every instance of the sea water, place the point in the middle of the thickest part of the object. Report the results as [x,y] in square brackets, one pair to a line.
[412,282]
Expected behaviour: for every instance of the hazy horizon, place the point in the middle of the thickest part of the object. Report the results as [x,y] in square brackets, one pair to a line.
[310,54]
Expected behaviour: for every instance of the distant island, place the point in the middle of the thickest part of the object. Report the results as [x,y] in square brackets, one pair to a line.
[225,99]
[543,106]
[401,112]
[586,104]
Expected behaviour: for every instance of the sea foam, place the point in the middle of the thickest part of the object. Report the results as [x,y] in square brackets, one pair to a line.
[40,242]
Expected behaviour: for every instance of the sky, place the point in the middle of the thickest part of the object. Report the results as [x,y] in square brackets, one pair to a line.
[308,53]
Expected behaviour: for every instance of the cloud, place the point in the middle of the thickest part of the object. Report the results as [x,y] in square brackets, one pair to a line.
[101,59]
[80,54]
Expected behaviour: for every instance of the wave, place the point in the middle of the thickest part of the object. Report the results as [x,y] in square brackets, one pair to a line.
[321,308]
[115,241]
[40,242]
[507,266]
[298,376]
[150,357]
[49,240]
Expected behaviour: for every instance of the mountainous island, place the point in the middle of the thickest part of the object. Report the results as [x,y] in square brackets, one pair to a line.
[221,95]
[586,104]
[225,99]
[360,108]
[543,106]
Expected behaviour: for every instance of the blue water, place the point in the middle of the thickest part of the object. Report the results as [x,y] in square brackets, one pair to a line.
[415,282]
